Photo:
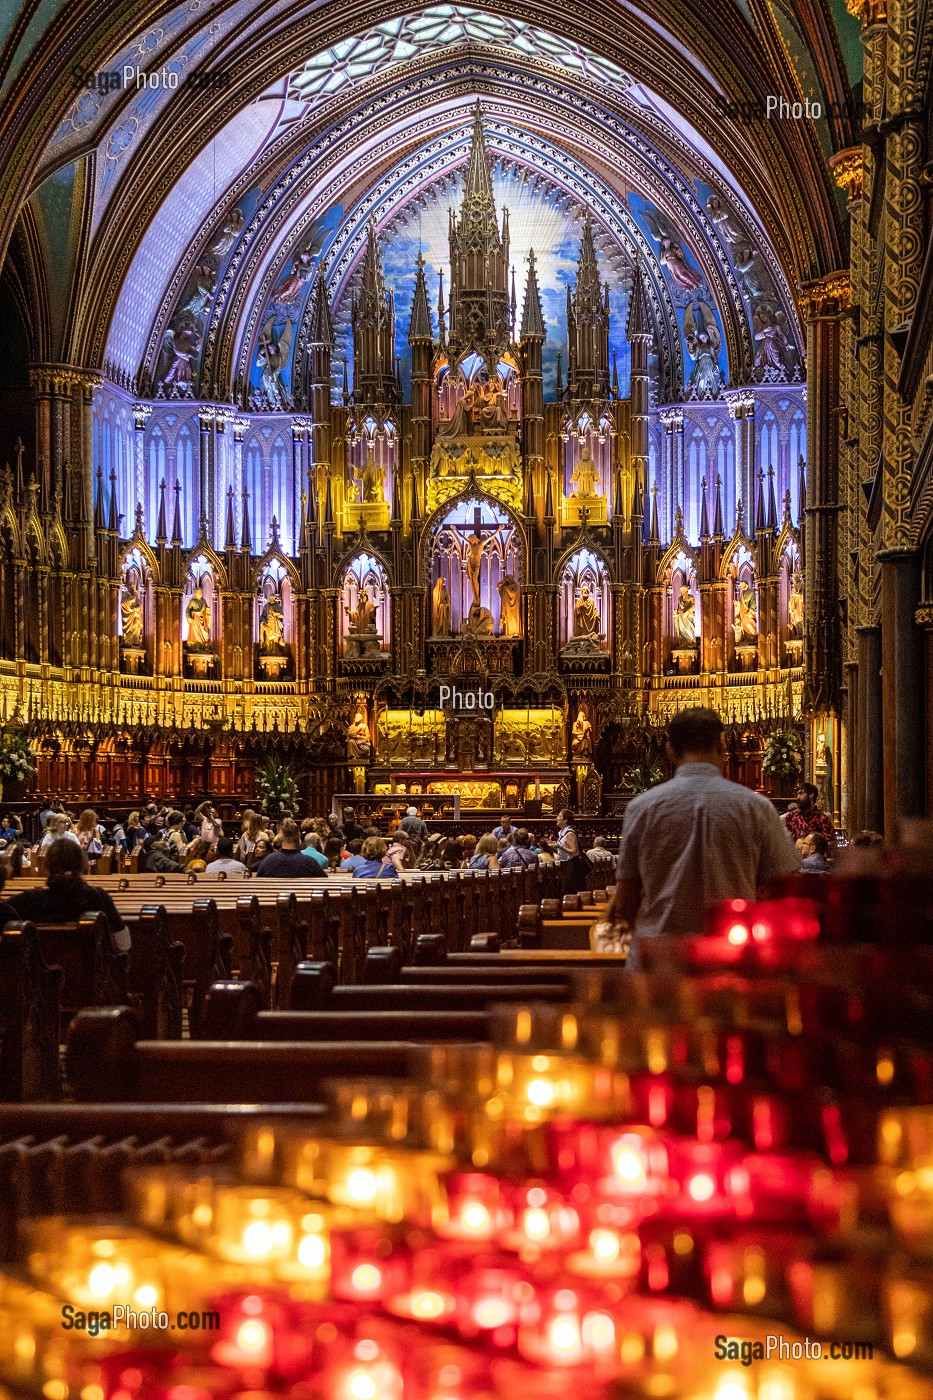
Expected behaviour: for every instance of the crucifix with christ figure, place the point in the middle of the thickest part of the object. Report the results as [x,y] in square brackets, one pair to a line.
[476,547]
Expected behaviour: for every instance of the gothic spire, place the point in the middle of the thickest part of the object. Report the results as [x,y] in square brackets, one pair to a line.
[100,520]
[373,321]
[415,508]
[718,530]
[638,323]
[549,500]
[113,520]
[176,517]
[230,540]
[655,534]
[322,329]
[532,315]
[419,327]
[530,508]
[246,539]
[478,218]
[772,501]
[760,504]
[704,511]
[160,524]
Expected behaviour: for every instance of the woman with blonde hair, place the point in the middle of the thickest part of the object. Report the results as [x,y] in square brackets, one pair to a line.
[252,827]
[486,855]
[58,828]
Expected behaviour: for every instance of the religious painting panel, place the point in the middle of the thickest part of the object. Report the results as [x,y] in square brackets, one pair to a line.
[744,610]
[410,738]
[477,432]
[790,604]
[530,737]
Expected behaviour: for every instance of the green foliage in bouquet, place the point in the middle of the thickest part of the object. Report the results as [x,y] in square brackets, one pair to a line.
[277,787]
[16,761]
[781,757]
[646,773]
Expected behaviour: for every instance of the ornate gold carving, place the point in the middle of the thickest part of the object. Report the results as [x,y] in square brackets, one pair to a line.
[847,167]
[828,296]
[868,11]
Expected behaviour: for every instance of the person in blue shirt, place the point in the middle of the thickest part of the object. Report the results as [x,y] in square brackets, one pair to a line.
[311,846]
[375,860]
[505,828]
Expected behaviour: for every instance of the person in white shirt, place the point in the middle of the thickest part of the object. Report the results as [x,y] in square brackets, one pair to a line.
[695,840]
[599,853]
[58,827]
[225,859]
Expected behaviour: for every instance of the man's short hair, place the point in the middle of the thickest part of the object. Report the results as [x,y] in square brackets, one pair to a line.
[818,842]
[290,833]
[224,847]
[599,841]
[522,837]
[412,812]
[810,789]
[65,859]
[697,730]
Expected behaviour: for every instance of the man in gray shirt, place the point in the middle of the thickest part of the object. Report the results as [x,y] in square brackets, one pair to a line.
[696,839]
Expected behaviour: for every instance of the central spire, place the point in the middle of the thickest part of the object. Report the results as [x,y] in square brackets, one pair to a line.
[479,262]
[478,216]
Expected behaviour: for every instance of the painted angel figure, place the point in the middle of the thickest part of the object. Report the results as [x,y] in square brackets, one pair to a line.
[701,332]
[289,289]
[722,218]
[272,355]
[205,284]
[181,346]
[230,231]
[773,346]
[672,252]
[747,265]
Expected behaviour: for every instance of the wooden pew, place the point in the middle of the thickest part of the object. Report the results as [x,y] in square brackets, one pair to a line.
[93,972]
[29,1017]
[156,971]
[233,1013]
[106,1062]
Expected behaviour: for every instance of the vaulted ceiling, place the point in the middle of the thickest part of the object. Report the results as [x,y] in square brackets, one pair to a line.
[116,201]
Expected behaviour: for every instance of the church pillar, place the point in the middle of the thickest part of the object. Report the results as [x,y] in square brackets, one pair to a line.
[672,423]
[141,415]
[741,405]
[237,477]
[902,686]
[870,757]
[924,620]
[205,463]
[823,303]
[905,121]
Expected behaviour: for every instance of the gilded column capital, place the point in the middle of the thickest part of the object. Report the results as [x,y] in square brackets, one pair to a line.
[827,296]
[848,169]
[869,11]
[59,379]
[923,617]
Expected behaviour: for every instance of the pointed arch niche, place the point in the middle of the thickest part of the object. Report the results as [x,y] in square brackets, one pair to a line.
[274,620]
[475,550]
[363,574]
[583,570]
[680,618]
[135,610]
[200,628]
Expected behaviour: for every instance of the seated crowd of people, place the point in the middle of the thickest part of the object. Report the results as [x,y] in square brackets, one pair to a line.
[165,840]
